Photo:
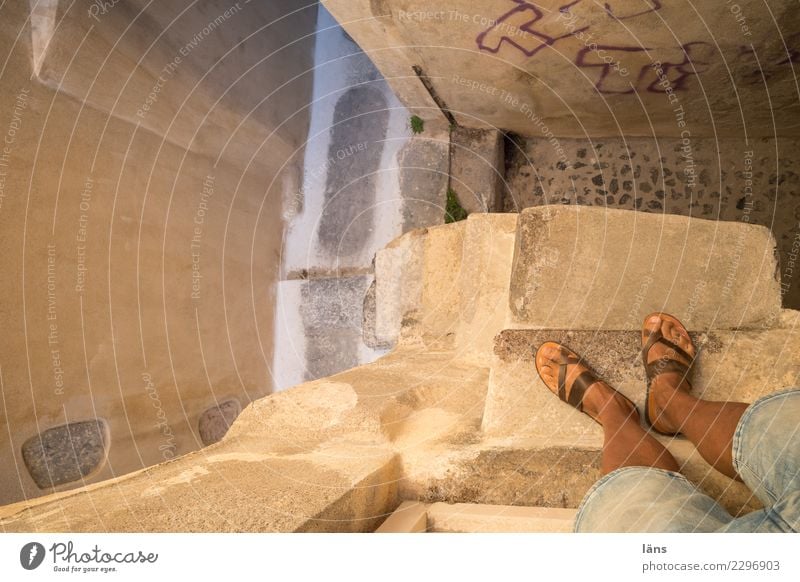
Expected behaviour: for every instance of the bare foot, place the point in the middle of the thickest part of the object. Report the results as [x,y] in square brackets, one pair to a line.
[664,385]
[600,400]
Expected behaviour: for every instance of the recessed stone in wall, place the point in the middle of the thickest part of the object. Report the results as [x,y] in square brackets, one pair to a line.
[424,175]
[66,453]
[358,132]
[216,421]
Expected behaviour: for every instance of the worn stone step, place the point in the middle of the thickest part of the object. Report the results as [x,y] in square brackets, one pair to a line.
[542,472]
[737,365]
[579,267]
[470,468]
[322,456]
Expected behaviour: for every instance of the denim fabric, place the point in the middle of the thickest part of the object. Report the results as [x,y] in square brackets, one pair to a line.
[766,454]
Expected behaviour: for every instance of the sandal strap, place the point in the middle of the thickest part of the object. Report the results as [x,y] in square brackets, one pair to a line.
[579,387]
[658,337]
[664,364]
[564,361]
[579,384]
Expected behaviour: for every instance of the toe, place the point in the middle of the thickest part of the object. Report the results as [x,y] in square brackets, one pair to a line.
[547,367]
[547,355]
[670,331]
[651,325]
[551,352]
[683,340]
[542,361]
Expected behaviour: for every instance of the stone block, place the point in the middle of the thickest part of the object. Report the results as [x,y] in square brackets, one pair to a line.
[424,163]
[368,320]
[326,338]
[650,175]
[477,167]
[333,302]
[410,517]
[479,518]
[352,168]
[66,453]
[592,268]
[215,421]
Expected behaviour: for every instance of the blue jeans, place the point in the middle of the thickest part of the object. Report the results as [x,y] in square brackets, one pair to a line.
[766,454]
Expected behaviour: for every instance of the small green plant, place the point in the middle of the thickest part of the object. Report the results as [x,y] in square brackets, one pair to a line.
[417,124]
[453,210]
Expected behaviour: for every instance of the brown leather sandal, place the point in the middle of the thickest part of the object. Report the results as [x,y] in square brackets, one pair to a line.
[665,364]
[572,395]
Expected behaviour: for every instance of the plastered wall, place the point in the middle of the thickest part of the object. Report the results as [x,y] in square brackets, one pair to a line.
[145,151]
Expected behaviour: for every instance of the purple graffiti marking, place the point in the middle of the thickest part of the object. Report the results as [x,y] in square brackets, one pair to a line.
[693,62]
[655,6]
[526,28]
[521,19]
[605,84]
[678,72]
[521,28]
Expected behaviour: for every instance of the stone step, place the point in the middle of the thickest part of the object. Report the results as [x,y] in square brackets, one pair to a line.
[541,472]
[416,284]
[732,365]
[416,517]
[409,517]
[483,282]
[564,267]
[447,282]
[452,288]
[480,518]
[471,468]
[398,284]
[579,267]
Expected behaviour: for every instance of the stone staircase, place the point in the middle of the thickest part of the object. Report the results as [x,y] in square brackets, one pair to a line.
[490,289]
[455,413]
